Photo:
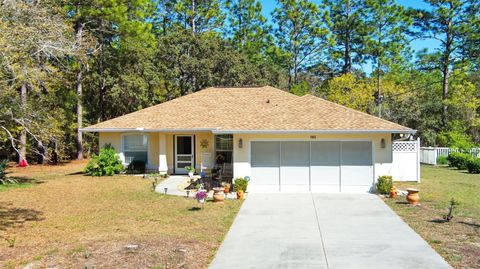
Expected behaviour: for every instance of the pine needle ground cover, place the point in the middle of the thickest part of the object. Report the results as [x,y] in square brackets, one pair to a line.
[64,219]
[458,240]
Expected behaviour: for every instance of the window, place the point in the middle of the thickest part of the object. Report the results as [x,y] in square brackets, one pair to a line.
[223,148]
[135,148]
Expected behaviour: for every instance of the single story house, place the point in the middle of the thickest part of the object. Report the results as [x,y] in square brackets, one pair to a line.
[283,142]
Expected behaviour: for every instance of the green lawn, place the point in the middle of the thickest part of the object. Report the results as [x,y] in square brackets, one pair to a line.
[458,241]
[63,219]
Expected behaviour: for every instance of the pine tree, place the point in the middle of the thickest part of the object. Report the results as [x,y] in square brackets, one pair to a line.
[301,33]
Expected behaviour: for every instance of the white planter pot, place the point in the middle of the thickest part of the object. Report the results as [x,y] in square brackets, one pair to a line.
[190,174]
[201,201]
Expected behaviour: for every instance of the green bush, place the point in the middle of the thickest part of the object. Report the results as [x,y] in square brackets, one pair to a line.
[107,163]
[240,184]
[473,165]
[458,160]
[3,168]
[442,160]
[384,184]
[455,139]
[136,167]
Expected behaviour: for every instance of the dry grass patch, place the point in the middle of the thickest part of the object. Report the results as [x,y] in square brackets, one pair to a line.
[71,220]
[458,241]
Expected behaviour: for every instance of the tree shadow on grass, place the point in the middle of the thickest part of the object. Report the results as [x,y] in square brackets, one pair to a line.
[474,225]
[76,173]
[438,221]
[15,216]
[27,180]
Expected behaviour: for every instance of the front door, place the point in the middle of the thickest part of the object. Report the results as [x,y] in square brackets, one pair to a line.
[184,153]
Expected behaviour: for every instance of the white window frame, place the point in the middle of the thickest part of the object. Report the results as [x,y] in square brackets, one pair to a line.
[122,151]
[215,150]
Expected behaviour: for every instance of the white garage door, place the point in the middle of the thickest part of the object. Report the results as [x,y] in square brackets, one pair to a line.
[320,166]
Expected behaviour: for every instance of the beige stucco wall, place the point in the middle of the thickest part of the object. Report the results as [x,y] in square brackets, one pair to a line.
[382,156]
[199,136]
[154,147]
[110,138]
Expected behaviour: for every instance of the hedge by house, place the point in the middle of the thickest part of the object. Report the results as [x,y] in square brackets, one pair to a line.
[107,163]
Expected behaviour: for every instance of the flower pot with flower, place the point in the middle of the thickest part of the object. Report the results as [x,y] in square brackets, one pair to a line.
[201,196]
[191,170]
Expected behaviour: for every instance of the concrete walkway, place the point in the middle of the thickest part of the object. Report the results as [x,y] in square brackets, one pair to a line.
[172,183]
[322,231]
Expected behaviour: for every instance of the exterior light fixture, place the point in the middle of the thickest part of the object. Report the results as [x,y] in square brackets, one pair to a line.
[240,143]
[165,189]
[382,143]
[188,193]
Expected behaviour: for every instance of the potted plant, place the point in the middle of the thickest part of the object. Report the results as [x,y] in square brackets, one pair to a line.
[190,170]
[201,195]
[226,187]
[240,186]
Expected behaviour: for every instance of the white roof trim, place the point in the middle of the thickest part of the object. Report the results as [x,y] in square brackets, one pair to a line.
[332,131]
[219,131]
[143,130]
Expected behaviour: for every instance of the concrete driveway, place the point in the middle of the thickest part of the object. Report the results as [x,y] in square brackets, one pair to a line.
[322,231]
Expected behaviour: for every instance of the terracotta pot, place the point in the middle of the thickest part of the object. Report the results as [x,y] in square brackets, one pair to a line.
[240,195]
[218,195]
[226,190]
[413,197]
[393,192]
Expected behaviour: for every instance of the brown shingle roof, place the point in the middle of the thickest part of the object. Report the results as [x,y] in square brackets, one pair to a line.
[248,108]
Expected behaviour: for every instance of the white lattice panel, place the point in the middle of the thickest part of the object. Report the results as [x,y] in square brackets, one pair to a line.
[405,146]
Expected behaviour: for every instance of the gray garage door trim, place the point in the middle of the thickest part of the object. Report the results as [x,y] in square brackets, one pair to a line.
[294,166]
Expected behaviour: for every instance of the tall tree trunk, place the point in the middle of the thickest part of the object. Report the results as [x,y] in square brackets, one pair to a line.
[42,152]
[347,67]
[78,35]
[193,17]
[23,132]
[379,94]
[446,78]
[446,72]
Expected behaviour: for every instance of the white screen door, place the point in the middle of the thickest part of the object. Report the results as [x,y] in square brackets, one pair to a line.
[184,153]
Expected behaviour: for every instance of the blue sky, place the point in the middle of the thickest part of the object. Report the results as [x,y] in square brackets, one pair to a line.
[269,5]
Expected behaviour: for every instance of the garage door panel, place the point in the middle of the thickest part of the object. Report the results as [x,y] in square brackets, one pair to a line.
[265,154]
[325,153]
[295,154]
[325,166]
[264,179]
[294,179]
[357,168]
[325,175]
[294,167]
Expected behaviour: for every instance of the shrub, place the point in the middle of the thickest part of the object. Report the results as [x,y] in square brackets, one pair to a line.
[384,184]
[473,165]
[240,184]
[136,167]
[3,168]
[458,160]
[455,139]
[107,163]
[442,160]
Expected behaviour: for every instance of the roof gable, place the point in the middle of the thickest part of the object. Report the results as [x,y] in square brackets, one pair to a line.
[247,108]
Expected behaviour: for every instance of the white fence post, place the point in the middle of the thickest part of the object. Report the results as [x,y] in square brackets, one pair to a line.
[418,159]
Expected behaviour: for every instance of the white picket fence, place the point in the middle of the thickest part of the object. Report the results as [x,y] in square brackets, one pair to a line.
[429,155]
